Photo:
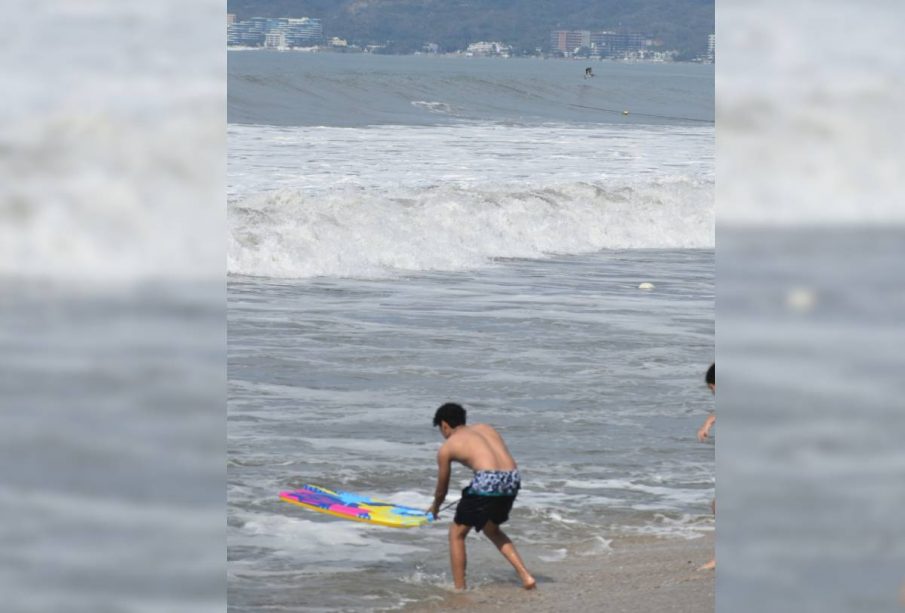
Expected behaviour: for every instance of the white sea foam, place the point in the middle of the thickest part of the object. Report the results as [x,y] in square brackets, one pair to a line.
[365,233]
[685,526]
[598,545]
[421,577]
[109,162]
[264,159]
[557,517]
[410,498]
[556,555]
[379,201]
[678,497]
[806,124]
[371,447]
[333,541]
[432,106]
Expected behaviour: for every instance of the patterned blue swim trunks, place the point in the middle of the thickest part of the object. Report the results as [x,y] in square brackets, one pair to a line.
[495,483]
[488,497]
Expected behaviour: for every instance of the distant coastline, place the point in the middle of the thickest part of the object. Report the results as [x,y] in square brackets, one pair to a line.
[461,54]
[573,27]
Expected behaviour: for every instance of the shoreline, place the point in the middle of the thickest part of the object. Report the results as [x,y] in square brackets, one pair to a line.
[640,573]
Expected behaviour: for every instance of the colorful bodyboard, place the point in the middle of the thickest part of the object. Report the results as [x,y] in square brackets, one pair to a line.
[356,508]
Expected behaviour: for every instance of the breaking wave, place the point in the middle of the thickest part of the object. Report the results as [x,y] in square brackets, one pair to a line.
[372,233]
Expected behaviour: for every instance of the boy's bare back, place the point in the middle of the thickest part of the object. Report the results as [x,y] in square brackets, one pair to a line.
[479,447]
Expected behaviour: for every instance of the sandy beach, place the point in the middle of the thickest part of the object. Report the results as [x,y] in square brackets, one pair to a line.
[640,574]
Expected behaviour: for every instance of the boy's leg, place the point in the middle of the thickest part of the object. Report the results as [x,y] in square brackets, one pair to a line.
[457,534]
[502,542]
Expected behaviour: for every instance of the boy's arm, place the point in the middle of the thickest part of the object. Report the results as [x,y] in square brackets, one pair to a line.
[704,431]
[444,469]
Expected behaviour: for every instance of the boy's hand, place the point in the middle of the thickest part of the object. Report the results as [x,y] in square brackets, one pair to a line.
[704,431]
[434,511]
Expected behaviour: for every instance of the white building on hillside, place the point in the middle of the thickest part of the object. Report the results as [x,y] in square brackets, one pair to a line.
[275,40]
[485,48]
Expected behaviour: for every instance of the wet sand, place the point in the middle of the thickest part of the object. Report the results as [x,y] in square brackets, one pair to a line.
[639,574]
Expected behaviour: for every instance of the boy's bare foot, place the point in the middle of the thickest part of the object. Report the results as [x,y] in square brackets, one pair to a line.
[529,584]
[709,566]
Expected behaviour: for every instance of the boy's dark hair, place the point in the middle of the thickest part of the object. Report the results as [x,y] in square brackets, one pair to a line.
[711,374]
[453,414]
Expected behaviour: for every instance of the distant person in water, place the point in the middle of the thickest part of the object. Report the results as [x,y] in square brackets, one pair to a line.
[703,433]
[588,73]
[487,500]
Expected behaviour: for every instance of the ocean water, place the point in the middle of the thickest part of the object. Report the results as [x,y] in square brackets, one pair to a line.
[812,422]
[306,89]
[810,304]
[464,234]
[112,447]
[111,162]
[112,370]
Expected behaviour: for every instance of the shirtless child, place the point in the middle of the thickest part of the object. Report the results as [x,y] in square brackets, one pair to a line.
[487,500]
[703,433]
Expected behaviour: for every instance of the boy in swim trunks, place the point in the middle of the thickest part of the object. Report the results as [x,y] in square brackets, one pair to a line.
[487,500]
